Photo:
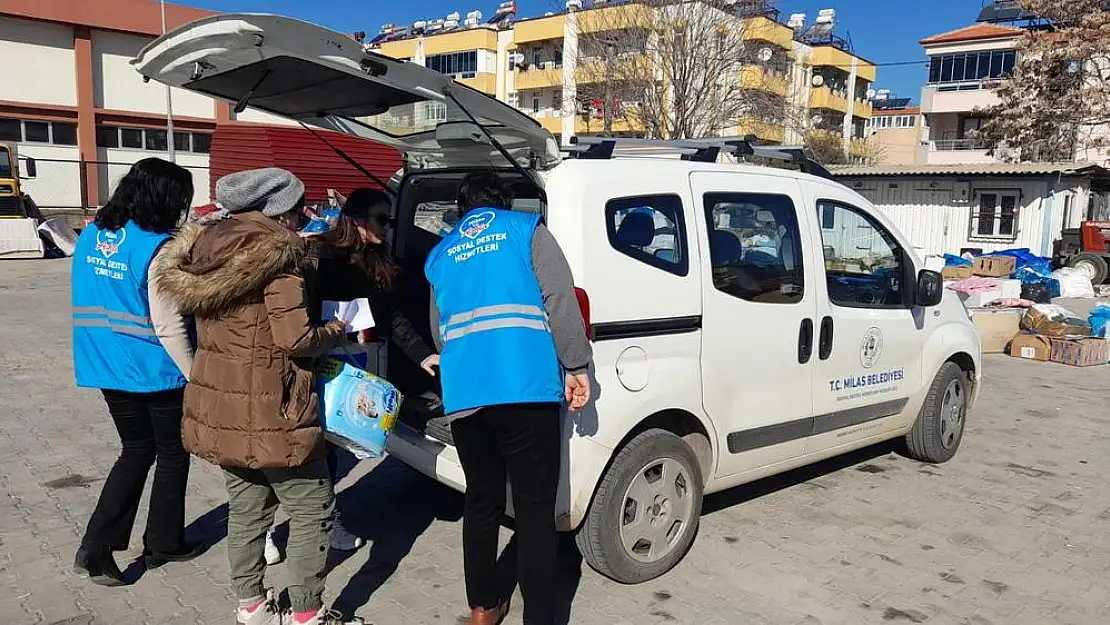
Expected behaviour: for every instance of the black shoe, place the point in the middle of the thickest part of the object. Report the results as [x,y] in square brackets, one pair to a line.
[155,560]
[99,566]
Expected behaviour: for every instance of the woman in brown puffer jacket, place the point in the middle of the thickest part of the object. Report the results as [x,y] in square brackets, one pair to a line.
[251,405]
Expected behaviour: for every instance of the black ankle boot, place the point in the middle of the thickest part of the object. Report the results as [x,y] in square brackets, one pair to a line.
[99,565]
[153,559]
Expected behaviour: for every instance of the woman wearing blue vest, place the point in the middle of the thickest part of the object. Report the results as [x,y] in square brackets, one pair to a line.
[514,349]
[131,343]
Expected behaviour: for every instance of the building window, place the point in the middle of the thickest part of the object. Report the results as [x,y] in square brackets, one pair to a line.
[131,138]
[995,216]
[64,134]
[514,99]
[36,132]
[107,137]
[864,264]
[156,140]
[557,102]
[536,103]
[11,130]
[181,142]
[971,67]
[202,143]
[454,64]
[649,229]
[754,247]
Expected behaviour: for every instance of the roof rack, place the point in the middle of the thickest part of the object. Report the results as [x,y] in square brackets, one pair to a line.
[698,150]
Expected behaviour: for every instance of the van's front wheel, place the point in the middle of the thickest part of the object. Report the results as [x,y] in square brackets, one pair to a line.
[939,429]
[645,513]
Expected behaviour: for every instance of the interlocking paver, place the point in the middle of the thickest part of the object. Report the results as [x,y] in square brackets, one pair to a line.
[1012,532]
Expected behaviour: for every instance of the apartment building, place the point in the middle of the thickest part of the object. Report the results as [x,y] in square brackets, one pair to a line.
[547,66]
[895,130]
[965,65]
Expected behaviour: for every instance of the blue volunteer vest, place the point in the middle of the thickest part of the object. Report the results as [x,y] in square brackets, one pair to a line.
[498,348]
[114,344]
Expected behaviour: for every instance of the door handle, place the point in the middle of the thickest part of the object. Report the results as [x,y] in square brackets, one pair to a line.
[805,341]
[825,343]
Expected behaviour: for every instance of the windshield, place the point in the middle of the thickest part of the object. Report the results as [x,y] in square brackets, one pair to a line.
[5,163]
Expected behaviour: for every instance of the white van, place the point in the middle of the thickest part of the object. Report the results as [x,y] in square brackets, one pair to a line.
[746,320]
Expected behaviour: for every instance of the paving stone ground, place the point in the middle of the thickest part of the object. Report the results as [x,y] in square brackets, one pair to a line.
[1013,531]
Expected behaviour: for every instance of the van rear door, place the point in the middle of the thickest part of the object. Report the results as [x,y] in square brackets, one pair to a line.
[321,77]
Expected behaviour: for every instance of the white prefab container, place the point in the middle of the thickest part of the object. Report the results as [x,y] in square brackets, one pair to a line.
[946,209]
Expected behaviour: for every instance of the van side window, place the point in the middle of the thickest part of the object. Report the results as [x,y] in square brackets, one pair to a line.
[650,229]
[864,264]
[755,247]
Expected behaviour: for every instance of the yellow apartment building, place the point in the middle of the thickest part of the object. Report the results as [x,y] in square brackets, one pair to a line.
[546,66]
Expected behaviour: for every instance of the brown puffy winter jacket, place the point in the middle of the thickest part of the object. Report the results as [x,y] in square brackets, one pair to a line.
[251,400]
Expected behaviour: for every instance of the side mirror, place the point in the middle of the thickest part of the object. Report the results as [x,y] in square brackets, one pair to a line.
[30,169]
[930,288]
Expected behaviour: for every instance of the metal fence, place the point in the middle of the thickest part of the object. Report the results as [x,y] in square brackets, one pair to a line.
[61,186]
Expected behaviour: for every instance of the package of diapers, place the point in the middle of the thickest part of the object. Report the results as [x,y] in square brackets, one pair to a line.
[357,407]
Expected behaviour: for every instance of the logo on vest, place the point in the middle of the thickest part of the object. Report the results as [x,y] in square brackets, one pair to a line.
[108,242]
[473,226]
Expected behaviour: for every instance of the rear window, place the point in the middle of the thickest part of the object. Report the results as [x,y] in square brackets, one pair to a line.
[650,229]
[439,218]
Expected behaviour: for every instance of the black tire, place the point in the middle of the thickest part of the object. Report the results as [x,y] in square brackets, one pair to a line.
[600,537]
[931,439]
[1094,263]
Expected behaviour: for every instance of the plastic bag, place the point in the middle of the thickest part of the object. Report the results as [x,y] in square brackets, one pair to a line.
[321,223]
[1098,319]
[1074,283]
[951,260]
[358,408]
[1036,292]
[1028,275]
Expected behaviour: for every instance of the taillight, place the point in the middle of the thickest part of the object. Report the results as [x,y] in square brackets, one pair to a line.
[584,307]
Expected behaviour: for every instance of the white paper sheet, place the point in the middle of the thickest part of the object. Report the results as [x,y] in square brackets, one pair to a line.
[356,313]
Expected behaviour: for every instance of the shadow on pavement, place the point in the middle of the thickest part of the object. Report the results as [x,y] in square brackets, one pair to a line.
[391,507]
[208,530]
[748,492]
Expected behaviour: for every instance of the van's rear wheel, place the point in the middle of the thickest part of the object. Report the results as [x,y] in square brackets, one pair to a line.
[645,513]
[939,429]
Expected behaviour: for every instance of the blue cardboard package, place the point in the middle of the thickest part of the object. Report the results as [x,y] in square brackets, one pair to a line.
[358,408]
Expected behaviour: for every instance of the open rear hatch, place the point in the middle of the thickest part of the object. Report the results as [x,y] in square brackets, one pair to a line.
[320,77]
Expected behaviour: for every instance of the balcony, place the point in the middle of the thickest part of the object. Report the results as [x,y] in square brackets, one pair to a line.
[538,78]
[610,18]
[830,56]
[631,66]
[766,29]
[764,131]
[756,78]
[957,98]
[540,29]
[955,151]
[486,83]
[862,109]
[592,126]
[860,147]
[824,98]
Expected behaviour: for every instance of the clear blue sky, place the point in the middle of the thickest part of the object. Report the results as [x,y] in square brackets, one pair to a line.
[883,31]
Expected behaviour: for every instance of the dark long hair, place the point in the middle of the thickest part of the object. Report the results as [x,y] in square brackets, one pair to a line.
[368,208]
[154,194]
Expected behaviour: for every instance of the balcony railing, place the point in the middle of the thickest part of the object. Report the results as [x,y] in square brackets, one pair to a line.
[950,145]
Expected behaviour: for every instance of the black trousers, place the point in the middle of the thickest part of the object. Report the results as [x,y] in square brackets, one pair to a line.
[521,443]
[149,427]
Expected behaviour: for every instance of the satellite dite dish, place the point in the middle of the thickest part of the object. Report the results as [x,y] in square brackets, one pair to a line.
[818,81]
[817,119]
[766,54]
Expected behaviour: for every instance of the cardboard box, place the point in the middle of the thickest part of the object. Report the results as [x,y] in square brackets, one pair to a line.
[1031,347]
[996,328]
[1004,289]
[994,266]
[1080,352]
[957,273]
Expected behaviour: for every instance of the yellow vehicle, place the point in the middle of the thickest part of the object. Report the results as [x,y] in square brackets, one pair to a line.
[13,204]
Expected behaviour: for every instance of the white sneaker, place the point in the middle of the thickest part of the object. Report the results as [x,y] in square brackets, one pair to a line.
[330,617]
[273,554]
[265,614]
[342,539]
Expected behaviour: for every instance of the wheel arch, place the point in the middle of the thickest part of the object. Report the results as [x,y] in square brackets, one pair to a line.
[682,423]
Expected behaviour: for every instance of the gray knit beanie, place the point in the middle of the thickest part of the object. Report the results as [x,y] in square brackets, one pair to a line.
[272,190]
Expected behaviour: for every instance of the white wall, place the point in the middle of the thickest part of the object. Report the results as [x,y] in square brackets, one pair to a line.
[936,223]
[58,183]
[116,85]
[39,63]
[120,161]
[262,117]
